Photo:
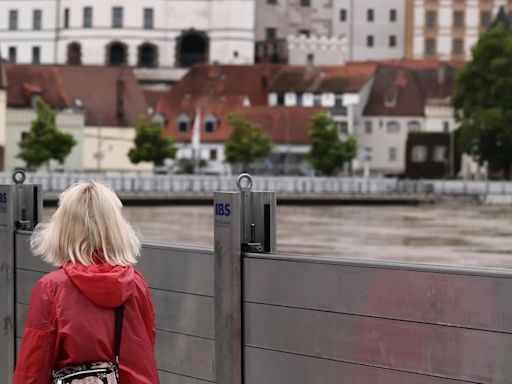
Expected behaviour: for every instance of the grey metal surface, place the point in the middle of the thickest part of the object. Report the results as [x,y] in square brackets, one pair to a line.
[21,317]
[185,355]
[7,315]
[25,281]
[271,367]
[180,269]
[253,212]
[451,352]
[171,378]
[184,313]
[448,296]
[24,257]
[228,290]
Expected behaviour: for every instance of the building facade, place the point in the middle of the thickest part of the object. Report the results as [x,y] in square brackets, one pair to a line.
[448,29]
[371,29]
[139,33]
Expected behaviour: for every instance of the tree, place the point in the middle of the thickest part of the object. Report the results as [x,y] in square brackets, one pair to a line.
[150,145]
[247,142]
[44,141]
[483,99]
[328,153]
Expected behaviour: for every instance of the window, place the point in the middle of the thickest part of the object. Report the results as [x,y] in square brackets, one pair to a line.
[446,126]
[392,41]
[66,17]
[367,154]
[431,19]
[370,15]
[392,154]
[183,123]
[485,19]
[343,15]
[368,127]
[117,17]
[310,59]
[458,19]
[419,154]
[304,32]
[430,47]
[74,54]
[272,2]
[393,127]
[271,33]
[213,154]
[12,55]
[439,155]
[280,99]
[87,17]
[36,55]
[210,123]
[458,47]
[305,3]
[317,100]
[342,127]
[37,19]
[13,19]
[369,41]
[392,15]
[148,18]
[413,126]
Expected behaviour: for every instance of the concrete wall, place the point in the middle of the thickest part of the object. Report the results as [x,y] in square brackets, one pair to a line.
[113,143]
[19,121]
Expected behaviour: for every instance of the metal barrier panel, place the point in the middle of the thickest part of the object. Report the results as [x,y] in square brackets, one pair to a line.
[316,320]
[181,283]
[7,346]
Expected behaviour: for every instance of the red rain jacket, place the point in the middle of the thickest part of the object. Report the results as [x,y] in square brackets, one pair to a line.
[71,320]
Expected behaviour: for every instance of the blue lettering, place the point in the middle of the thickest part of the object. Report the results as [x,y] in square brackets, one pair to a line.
[221,209]
[3,198]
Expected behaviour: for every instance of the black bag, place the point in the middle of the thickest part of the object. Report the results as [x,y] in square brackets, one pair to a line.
[94,372]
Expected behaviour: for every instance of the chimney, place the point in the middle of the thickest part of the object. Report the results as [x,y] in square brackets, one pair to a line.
[441,74]
[120,87]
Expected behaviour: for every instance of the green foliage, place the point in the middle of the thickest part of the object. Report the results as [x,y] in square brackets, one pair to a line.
[247,142]
[150,145]
[328,152]
[483,100]
[44,141]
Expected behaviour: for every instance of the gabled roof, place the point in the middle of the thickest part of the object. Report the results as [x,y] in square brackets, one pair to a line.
[285,125]
[412,88]
[337,79]
[94,89]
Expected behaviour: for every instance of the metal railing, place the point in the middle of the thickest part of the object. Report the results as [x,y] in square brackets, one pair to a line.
[141,183]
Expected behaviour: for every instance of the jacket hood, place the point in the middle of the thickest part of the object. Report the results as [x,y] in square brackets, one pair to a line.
[106,285]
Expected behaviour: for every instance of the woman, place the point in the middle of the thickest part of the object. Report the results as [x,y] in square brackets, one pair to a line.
[71,318]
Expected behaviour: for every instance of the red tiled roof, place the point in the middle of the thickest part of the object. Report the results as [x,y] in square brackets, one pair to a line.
[338,79]
[285,125]
[412,86]
[94,87]
[153,97]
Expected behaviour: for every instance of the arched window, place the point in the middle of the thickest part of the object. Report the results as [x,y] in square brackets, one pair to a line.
[74,54]
[413,126]
[393,127]
[148,56]
[210,123]
[117,54]
[183,122]
[192,48]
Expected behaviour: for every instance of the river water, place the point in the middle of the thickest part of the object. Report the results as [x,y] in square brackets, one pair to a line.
[463,235]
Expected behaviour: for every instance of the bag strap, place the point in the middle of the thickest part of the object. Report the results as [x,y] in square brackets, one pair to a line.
[119,330]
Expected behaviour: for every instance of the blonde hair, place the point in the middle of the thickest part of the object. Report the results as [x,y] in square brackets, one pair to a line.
[88,221]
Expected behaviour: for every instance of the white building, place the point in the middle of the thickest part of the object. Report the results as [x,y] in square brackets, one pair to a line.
[143,33]
[448,29]
[369,29]
[403,100]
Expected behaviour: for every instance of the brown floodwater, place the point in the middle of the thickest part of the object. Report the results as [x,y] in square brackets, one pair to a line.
[463,235]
